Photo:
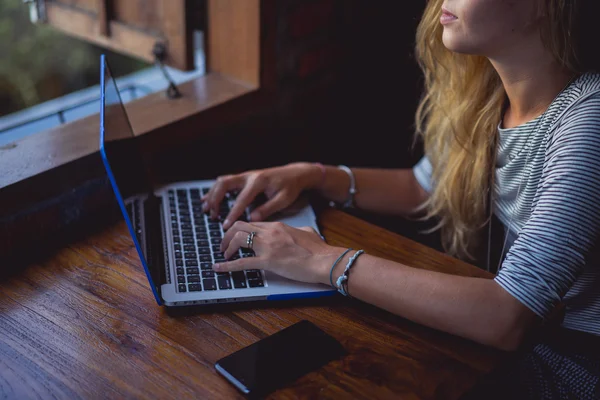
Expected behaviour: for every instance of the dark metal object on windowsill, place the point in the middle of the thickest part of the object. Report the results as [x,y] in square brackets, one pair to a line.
[160,53]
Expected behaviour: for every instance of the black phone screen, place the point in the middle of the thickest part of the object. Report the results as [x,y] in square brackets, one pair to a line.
[280,358]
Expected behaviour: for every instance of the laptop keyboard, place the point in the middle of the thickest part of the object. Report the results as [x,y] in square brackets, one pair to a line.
[196,242]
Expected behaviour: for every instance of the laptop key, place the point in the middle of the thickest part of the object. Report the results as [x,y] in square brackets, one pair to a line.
[195,193]
[205,190]
[193,279]
[181,193]
[216,241]
[224,282]
[219,260]
[188,240]
[206,266]
[182,288]
[180,271]
[205,258]
[191,263]
[176,240]
[189,247]
[208,274]
[247,251]
[177,247]
[204,250]
[179,263]
[195,287]
[240,283]
[253,274]
[216,234]
[214,226]
[186,226]
[193,271]
[187,233]
[203,243]
[181,279]
[255,283]
[209,284]
[190,256]
[202,236]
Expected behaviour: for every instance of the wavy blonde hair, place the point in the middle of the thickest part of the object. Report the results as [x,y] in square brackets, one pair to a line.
[458,115]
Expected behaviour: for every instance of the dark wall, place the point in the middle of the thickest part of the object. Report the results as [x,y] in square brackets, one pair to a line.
[349,80]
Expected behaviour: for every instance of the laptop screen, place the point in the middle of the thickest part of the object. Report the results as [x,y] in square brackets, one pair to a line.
[118,140]
[123,161]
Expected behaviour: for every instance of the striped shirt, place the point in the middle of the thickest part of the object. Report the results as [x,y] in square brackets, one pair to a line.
[547,196]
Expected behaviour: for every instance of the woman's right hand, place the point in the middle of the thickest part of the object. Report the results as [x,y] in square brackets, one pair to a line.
[281,185]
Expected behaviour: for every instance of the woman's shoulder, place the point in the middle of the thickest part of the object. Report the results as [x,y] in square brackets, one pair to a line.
[580,121]
[588,83]
[581,104]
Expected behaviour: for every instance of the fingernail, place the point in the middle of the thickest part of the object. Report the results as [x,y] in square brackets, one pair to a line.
[205,207]
[217,267]
[226,224]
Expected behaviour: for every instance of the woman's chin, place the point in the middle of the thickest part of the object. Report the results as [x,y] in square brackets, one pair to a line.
[455,45]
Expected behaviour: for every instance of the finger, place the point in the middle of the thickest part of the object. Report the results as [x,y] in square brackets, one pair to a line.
[238,226]
[217,192]
[240,239]
[277,203]
[238,265]
[243,200]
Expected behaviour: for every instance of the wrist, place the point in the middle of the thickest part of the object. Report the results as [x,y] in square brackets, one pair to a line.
[314,175]
[327,260]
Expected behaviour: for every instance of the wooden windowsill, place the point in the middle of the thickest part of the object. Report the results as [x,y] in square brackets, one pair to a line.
[49,149]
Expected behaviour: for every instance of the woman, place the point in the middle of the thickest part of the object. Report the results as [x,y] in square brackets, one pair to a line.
[512,103]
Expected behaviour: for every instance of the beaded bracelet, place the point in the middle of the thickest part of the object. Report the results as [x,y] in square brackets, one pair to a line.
[333,266]
[342,281]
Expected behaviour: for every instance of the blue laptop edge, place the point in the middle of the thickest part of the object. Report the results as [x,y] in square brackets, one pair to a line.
[113,182]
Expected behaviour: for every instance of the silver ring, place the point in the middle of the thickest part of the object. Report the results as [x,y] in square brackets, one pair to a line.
[250,240]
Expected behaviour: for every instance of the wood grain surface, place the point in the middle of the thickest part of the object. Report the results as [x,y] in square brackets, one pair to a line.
[84,324]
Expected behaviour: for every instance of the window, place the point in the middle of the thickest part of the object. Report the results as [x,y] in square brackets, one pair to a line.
[50,78]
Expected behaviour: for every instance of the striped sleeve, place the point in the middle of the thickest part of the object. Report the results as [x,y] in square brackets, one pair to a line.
[553,246]
[422,171]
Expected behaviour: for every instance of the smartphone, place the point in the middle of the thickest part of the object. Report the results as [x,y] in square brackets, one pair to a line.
[279,359]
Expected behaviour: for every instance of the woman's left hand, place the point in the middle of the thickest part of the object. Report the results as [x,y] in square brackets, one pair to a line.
[294,253]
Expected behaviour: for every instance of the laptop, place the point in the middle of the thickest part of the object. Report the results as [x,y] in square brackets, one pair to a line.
[176,242]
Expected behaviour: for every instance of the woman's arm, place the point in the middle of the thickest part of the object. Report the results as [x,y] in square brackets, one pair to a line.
[394,192]
[474,308]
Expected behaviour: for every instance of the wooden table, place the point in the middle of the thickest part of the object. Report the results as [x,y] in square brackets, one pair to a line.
[84,324]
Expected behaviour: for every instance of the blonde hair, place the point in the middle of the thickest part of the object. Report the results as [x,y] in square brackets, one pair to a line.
[457,119]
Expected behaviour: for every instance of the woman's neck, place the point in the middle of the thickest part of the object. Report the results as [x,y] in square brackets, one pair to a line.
[530,87]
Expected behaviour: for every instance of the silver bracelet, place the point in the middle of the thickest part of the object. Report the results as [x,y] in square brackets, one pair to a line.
[352,190]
